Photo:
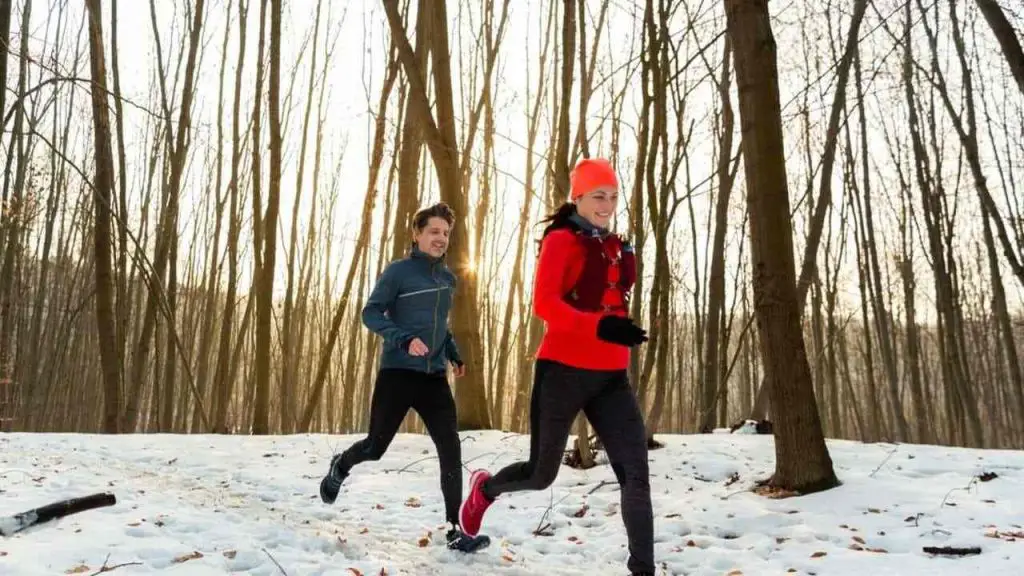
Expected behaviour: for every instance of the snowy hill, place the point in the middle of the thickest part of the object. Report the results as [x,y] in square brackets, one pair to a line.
[212,505]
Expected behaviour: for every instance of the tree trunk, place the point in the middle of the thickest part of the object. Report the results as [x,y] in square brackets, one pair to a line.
[222,385]
[288,389]
[265,280]
[412,144]
[103,187]
[825,191]
[560,191]
[177,148]
[123,295]
[881,313]
[1005,326]
[362,242]
[716,278]
[803,463]
[15,219]
[5,48]
[440,137]
[1007,37]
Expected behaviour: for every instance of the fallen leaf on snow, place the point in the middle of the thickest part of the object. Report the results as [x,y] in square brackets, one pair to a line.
[364,530]
[858,539]
[230,554]
[735,573]
[411,503]
[1007,536]
[423,541]
[856,547]
[80,569]
[355,572]
[193,556]
[818,554]
[988,476]
[774,493]
[507,558]
[581,512]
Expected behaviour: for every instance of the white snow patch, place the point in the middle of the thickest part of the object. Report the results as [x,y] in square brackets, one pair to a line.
[213,505]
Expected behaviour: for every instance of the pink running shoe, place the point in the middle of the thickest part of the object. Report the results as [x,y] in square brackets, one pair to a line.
[471,513]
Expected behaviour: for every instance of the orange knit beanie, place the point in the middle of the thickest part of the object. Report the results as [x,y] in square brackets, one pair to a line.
[591,174]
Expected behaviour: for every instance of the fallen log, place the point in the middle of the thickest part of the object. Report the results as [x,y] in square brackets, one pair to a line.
[951,551]
[11,525]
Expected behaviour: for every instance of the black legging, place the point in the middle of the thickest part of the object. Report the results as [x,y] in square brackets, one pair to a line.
[430,396]
[559,393]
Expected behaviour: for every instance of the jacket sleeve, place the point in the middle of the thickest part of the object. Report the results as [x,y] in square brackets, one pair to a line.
[451,350]
[383,297]
[548,304]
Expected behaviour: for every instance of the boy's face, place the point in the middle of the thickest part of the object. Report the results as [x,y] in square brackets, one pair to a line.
[433,238]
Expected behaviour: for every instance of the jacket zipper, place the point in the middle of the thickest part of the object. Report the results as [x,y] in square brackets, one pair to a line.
[437,304]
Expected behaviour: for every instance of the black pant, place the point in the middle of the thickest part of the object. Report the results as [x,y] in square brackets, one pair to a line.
[397,390]
[559,393]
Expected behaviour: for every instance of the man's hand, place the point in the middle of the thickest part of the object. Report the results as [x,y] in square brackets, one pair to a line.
[418,348]
[458,369]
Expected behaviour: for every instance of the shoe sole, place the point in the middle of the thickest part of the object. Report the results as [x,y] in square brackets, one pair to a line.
[323,495]
[472,485]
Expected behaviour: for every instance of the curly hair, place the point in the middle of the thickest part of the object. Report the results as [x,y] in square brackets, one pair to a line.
[439,210]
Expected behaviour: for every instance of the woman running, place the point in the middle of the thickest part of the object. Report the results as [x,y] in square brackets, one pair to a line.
[409,308]
[581,291]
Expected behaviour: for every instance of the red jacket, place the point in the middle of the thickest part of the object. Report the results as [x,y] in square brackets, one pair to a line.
[571,335]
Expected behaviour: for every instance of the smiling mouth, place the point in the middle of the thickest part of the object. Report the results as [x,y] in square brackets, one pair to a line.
[603,214]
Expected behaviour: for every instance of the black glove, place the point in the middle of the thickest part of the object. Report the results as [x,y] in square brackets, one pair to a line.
[620,330]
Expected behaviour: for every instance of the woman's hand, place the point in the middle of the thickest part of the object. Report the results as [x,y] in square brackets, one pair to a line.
[620,330]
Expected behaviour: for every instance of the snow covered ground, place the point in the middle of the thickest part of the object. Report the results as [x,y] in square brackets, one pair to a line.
[205,505]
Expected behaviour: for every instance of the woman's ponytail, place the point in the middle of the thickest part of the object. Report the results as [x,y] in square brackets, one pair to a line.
[558,219]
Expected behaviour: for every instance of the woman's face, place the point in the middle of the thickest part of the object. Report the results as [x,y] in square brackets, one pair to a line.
[598,207]
[433,238]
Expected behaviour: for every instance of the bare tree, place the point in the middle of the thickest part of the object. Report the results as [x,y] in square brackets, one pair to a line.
[1007,37]
[440,137]
[802,462]
[102,194]
[716,280]
[265,280]
[824,200]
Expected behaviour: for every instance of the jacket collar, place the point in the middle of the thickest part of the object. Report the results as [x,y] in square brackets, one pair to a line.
[418,254]
[587,227]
